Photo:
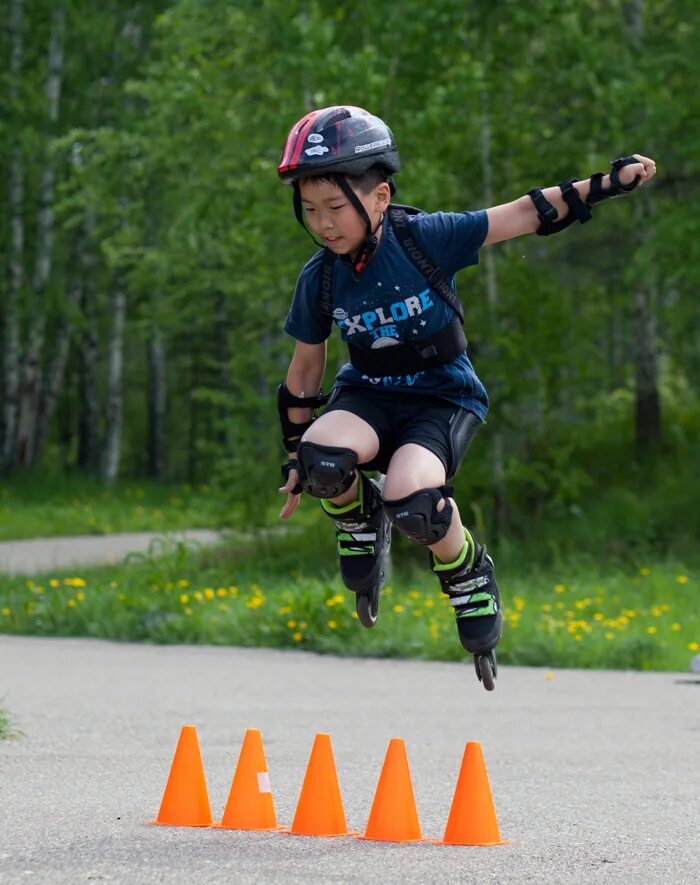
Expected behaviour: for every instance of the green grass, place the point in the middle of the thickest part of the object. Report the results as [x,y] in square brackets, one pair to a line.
[283,591]
[51,504]
[7,727]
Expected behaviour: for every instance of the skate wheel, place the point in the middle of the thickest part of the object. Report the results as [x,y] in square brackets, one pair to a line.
[367,610]
[486,669]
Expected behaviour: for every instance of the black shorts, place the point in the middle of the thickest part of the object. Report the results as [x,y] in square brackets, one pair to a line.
[397,419]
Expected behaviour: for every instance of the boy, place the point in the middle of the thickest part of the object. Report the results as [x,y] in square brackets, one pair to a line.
[409,402]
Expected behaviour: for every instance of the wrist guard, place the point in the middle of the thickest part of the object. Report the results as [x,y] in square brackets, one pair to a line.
[548,215]
[597,194]
[298,488]
[287,400]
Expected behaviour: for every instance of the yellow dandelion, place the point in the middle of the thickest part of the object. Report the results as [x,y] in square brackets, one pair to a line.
[414,594]
[598,616]
[184,598]
[355,615]
[682,579]
[285,609]
[331,601]
[54,583]
[418,612]
[644,571]
[198,596]
[609,635]
[38,589]
[291,624]
[388,590]
[651,630]
[7,612]
[332,625]
[546,607]
[398,608]
[183,582]
[233,591]
[80,596]
[221,591]
[578,637]
[209,593]
[693,646]
[429,603]
[559,588]
[121,597]
[675,627]
[187,611]
[297,637]
[72,603]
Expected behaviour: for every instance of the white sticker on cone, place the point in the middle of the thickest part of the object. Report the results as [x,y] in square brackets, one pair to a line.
[264,782]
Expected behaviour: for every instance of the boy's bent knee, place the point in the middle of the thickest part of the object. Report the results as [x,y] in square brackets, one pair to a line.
[325,471]
[417,515]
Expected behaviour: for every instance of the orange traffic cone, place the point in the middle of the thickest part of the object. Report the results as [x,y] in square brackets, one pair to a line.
[394,817]
[472,818]
[185,801]
[320,807]
[249,805]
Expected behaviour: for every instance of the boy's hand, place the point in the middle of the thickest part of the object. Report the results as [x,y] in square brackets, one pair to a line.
[645,169]
[292,499]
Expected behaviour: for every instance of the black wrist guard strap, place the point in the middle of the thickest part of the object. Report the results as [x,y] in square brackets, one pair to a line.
[547,214]
[597,194]
[298,488]
[287,400]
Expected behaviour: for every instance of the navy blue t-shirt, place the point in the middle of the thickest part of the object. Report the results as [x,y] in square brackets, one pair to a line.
[390,302]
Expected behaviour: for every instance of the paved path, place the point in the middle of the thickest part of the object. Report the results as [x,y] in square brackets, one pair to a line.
[595,775]
[43,554]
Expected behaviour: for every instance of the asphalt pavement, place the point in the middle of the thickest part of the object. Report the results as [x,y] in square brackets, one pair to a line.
[35,555]
[595,775]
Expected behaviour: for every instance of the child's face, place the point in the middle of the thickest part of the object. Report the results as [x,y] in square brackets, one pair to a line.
[331,216]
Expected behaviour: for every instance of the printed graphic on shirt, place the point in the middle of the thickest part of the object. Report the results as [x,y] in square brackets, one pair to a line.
[384,325]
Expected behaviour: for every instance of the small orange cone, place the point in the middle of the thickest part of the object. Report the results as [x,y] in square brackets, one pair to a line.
[472,818]
[320,807]
[394,817]
[185,800]
[249,805]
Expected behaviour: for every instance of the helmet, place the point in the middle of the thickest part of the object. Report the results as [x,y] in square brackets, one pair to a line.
[345,140]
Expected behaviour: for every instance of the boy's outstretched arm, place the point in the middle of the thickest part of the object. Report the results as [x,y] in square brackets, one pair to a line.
[520,217]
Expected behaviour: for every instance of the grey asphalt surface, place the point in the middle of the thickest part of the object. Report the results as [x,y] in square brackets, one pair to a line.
[595,775]
[29,557]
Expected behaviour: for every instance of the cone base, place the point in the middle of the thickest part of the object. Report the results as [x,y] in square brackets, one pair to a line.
[471,844]
[219,825]
[395,841]
[160,823]
[289,832]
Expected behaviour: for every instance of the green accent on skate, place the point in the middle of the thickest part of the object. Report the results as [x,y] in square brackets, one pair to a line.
[489,609]
[338,510]
[468,546]
[359,549]
[366,551]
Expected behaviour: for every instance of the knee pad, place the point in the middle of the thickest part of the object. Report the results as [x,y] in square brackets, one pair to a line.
[325,471]
[417,516]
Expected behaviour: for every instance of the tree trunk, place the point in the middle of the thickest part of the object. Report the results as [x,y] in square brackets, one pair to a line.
[10,317]
[115,360]
[53,379]
[89,415]
[31,371]
[647,403]
[157,402]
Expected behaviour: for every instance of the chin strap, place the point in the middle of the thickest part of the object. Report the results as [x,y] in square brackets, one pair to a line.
[371,242]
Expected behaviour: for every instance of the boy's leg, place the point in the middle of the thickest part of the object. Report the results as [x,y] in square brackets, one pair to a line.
[415,501]
[362,527]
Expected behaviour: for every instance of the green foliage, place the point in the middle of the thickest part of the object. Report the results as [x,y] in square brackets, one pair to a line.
[270,591]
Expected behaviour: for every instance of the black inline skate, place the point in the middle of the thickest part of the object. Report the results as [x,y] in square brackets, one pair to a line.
[471,587]
[363,533]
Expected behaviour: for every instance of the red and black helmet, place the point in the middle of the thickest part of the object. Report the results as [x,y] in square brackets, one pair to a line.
[344,140]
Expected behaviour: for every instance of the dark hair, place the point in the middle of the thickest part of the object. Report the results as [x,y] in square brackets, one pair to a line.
[364,183]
